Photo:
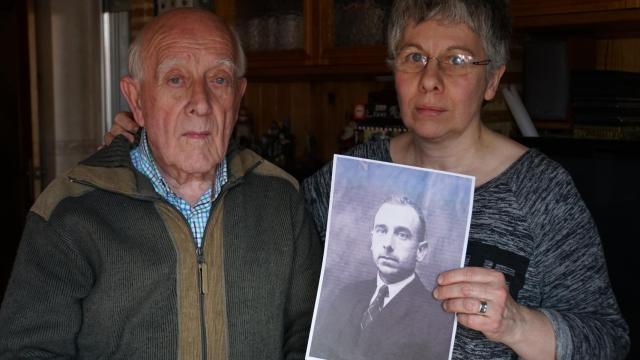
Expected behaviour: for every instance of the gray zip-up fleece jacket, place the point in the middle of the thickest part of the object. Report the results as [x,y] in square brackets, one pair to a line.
[107,269]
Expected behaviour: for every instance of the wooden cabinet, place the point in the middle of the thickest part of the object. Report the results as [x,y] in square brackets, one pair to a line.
[544,13]
[320,37]
[311,38]
[275,33]
[316,83]
[595,35]
[352,34]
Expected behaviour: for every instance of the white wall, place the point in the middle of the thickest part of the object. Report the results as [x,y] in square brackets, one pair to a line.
[69,88]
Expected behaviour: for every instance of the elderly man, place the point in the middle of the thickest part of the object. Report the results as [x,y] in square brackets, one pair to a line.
[391,316]
[179,247]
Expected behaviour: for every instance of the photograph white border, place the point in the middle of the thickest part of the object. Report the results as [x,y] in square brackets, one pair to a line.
[358,188]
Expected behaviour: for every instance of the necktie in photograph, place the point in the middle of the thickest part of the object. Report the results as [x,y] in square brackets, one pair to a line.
[375,307]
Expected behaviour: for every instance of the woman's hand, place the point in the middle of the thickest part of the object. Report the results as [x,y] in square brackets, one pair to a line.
[482,301]
[123,124]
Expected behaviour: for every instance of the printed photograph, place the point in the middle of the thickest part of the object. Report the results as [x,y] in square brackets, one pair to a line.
[392,229]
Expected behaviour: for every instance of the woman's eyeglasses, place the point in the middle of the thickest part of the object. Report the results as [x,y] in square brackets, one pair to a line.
[450,64]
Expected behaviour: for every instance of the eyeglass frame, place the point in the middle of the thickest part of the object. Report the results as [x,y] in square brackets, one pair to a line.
[426,59]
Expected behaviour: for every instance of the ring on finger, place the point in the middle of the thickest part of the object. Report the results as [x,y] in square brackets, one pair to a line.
[483,307]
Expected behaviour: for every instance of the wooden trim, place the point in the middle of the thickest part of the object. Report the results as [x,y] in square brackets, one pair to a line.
[552,124]
[311,23]
[299,72]
[33,85]
[578,18]
[325,26]
[226,10]
[542,7]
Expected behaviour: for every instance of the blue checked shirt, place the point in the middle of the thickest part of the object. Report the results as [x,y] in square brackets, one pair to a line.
[196,216]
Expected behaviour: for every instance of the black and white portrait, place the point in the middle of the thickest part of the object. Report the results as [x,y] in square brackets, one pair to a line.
[392,229]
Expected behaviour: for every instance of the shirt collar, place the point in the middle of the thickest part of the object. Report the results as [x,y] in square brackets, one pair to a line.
[394,288]
[153,172]
[149,168]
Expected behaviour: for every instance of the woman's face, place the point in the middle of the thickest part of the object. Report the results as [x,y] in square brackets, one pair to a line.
[435,104]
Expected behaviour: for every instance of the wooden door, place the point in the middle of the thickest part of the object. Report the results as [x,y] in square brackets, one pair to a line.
[15,136]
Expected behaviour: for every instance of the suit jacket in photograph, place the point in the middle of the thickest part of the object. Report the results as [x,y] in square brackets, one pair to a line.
[412,325]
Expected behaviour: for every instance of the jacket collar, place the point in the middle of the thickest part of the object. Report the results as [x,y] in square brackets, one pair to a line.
[111,169]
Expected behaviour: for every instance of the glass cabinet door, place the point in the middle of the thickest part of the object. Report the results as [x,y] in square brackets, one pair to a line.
[270,25]
[353,34]
[359,23]
[277,35]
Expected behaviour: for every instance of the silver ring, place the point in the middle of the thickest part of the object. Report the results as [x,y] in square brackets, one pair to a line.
[483,307]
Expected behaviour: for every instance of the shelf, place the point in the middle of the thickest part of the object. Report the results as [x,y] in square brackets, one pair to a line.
[628,18]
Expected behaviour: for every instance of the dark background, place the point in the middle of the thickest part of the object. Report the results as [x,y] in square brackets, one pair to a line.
[15,137]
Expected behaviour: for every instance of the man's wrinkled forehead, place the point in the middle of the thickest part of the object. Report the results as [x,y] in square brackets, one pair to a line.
[184,19]
[167,63]
[189,32]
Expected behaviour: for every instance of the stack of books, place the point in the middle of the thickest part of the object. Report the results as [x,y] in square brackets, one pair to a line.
[606,104]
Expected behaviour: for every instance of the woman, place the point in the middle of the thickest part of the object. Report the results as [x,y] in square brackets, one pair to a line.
[535,283]
[448,58]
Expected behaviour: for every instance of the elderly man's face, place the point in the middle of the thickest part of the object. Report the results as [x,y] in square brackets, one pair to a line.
[189,96]
[394,243]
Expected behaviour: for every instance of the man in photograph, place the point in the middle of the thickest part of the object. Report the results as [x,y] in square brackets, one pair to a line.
[391,316]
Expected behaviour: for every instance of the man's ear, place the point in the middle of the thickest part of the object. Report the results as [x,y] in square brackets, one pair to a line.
[422,250]
[130,88]
[494,82]
[240,89]
[242,86]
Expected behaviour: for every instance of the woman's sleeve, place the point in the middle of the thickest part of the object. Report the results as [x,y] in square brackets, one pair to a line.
[577,295]
[316,190]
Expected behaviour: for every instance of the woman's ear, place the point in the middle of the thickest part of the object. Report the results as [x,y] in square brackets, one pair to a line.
[494,82]
[130,88]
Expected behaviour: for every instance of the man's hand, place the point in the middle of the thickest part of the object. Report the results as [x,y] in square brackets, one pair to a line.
[123,124]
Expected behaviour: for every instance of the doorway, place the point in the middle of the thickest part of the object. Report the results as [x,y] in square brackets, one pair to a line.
[15,139]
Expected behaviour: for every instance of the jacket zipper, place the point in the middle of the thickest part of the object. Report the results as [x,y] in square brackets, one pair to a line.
[202,265]
[202,270]
[202,284]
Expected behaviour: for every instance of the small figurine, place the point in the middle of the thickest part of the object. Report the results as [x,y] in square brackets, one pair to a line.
[359,112]
[243,130]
